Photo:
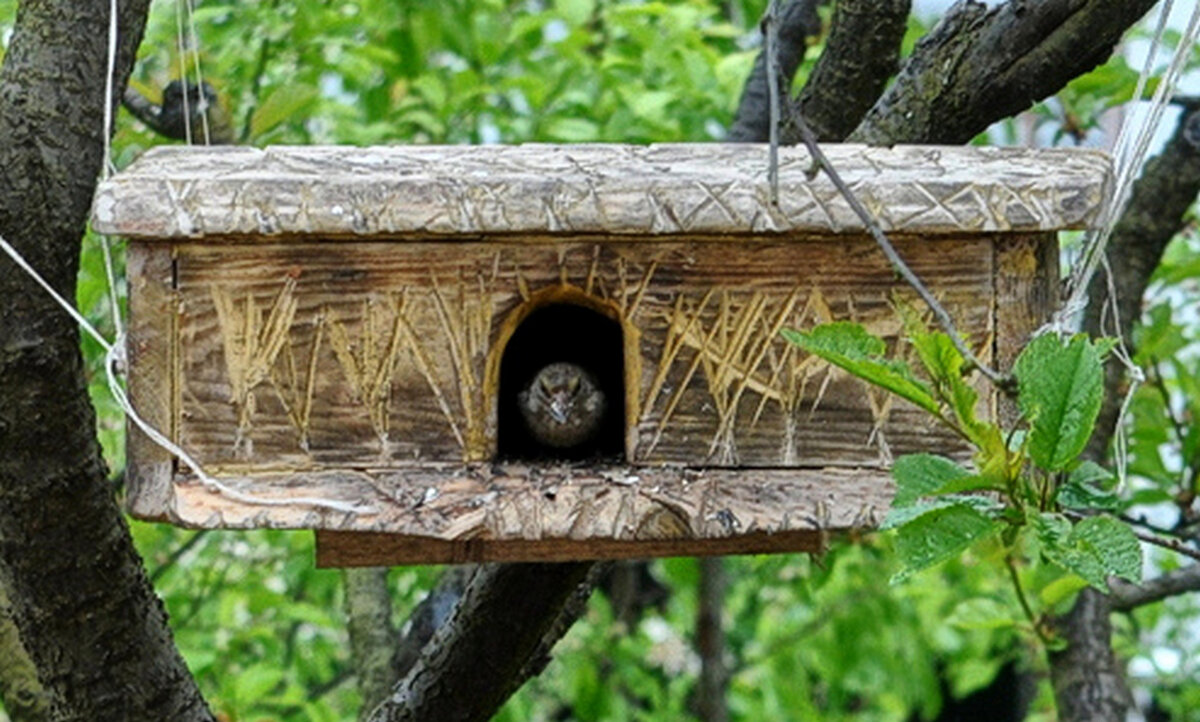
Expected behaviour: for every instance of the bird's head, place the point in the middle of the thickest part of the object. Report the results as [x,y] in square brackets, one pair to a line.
[560,385]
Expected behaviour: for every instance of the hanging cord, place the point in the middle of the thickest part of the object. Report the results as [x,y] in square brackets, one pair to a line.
[1130,154]
[203,102]
[1130,150]
[115,364]
[181,48]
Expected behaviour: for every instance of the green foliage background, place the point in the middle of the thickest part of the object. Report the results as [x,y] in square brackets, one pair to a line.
[825,638]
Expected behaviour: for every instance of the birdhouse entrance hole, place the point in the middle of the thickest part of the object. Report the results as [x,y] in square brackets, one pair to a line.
[592,344]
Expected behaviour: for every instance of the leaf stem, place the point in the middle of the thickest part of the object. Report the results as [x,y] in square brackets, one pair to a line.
[1029,614]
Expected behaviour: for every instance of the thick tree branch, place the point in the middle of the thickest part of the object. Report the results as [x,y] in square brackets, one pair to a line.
[88,617]
[862,52]
[1126,596]
[797,22]
[979,65]
[498,635]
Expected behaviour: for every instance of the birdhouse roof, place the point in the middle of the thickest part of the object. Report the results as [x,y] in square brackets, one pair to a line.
[414,192]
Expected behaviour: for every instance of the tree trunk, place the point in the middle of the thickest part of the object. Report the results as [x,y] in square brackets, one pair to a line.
[710,641]
[87,615]
[372,637]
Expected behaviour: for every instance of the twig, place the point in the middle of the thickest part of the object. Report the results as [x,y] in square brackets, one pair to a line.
[1174,545]
[175,555]
[947,324]
[1156,380]
[1016,580]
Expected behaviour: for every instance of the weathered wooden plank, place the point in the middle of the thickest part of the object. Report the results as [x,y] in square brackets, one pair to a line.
[1026,294]
[367,549]
[538,503]
[153,376]
[377,355]
[176,192]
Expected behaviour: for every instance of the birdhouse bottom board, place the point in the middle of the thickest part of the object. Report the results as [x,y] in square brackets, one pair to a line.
[387,373]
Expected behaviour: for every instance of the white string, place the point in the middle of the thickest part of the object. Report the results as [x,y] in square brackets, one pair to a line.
[1130,155]
[187,115]
[202,107]
[114,362]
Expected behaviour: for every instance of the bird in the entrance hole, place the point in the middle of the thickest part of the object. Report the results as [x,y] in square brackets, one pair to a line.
[563,406]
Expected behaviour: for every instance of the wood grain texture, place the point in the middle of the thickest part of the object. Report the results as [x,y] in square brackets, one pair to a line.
[370,549]
[1027,284]
[545,502]
[151,351]
[175,192]
[377,355]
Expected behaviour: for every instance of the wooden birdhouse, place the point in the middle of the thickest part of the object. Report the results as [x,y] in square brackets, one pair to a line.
[359,325]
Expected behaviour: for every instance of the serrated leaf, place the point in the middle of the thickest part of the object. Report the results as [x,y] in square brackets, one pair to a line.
[849,346]
[899,516]
[919,475]
[939,535]
[1114,544]
[1096,548]
[1089,487]
[1060,391]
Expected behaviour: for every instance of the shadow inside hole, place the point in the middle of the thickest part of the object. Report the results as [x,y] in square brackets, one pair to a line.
[563,333]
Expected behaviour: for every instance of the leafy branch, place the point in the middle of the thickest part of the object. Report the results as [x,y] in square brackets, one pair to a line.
[1029,490]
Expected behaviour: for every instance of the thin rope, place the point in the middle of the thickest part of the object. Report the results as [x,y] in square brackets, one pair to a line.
[1130,156]
[181,49]
[203,102]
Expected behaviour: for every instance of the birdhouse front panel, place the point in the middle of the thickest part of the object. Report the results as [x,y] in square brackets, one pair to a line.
[550,352]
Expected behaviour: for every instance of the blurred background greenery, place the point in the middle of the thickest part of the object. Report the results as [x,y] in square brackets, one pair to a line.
[807,638]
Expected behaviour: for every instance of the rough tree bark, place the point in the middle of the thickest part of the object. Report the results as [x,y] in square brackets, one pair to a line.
[372,637]
[861,53]
[87,615]
[498,635]
[710,642]
[979,65]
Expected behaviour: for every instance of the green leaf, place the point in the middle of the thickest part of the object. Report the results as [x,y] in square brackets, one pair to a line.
[849,346]
[982,613]
[1090,486]
[899,516]
[1094,549]
[1061,588]
[1060,391]
[939,535]
[572,130]
[284,103]
[919,475]
[1113,543]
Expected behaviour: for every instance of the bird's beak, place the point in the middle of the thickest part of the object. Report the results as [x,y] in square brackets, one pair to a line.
[559,406]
